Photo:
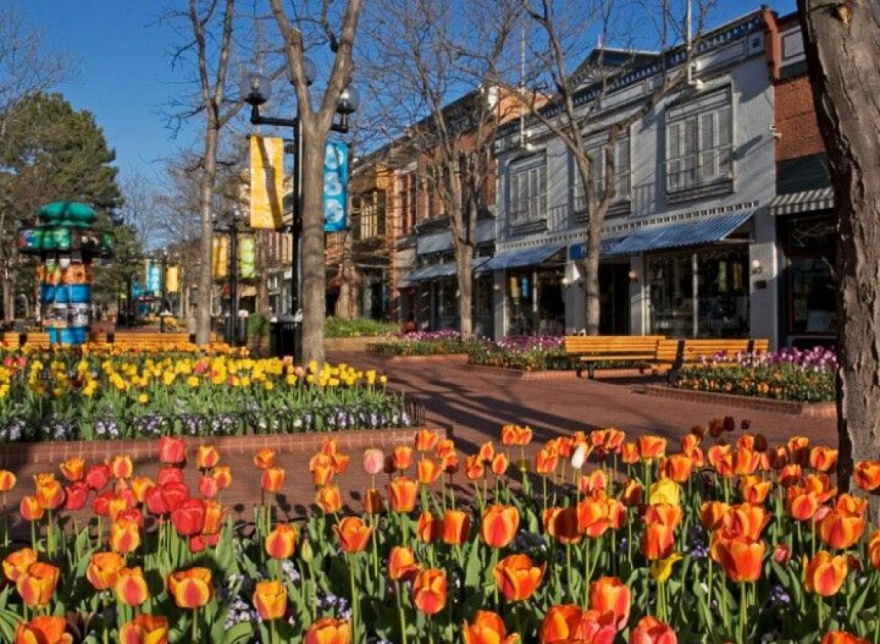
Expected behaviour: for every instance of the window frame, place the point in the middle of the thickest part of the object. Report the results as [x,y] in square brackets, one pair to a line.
[527,190]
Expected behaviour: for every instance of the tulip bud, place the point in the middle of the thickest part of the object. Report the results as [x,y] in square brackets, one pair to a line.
[579,457]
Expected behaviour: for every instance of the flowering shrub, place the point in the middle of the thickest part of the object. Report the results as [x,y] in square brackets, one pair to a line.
[72,395]
[596,538]
[421,343]
[357,328]
[529,353]
[790,374]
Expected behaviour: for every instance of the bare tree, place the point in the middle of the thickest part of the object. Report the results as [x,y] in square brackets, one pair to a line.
[27,67]
[426,55]
[314,126]
[559,70]
[840,39]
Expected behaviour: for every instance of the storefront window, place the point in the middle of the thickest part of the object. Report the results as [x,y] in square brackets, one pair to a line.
[534,303]
[520,314]
[699,294]
[811,256]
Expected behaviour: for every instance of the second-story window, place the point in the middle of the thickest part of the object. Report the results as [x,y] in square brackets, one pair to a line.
[370,209]
[699,137]
[528,190]
[622,173]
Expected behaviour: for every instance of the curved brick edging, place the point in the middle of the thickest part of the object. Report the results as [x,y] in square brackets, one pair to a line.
[811,410]
[456,358]
[17,454]
[520,374]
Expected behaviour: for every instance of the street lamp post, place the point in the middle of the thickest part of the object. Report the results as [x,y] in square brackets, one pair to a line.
[232,228]
[255,91]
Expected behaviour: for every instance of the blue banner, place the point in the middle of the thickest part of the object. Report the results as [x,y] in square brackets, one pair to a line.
[335,186]
[154,278]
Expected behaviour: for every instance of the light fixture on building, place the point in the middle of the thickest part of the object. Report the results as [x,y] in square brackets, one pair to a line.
[757,268]
[633,276]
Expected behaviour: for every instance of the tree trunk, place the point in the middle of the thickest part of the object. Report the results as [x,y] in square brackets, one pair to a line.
[313,297]
[840,41]
[206,197]
[465,261]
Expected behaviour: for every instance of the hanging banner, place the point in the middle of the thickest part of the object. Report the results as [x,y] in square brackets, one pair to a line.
[219,257]
[172,277]
[154,277]
[247,254]
[335,186]
[267,181]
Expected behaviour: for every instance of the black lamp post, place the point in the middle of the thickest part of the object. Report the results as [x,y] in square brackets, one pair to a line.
[255,90]
[163,291]
[232,227]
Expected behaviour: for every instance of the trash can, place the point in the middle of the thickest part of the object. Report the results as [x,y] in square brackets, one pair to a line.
[282,335]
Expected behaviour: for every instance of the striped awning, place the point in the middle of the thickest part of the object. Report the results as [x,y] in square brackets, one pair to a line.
[806,201]
[693,232]
[530,256]
[436,271]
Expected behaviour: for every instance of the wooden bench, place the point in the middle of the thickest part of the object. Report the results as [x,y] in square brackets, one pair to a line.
[673,354]
[133,340]
[594,349]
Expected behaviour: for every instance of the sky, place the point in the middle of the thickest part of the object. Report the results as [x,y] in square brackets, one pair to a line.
[123,70]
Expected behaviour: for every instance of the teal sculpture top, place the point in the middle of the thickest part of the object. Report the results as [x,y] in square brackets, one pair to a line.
[69,213]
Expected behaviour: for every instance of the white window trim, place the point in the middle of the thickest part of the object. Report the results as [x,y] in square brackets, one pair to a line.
[623,178]
[527,201]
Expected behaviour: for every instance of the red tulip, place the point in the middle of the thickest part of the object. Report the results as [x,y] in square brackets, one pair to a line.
[353,534]
[131,587]
[329,630]
[824,574]
[281,541]
[517,578]
[37,584]
[499,525]
[611,594]
[650,630]
[44,629]
[402,565]
[487,628]
[429,591]
[191,588]
[172,450]
[188,517]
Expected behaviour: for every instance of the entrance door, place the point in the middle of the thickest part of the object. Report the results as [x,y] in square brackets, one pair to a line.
[614,299]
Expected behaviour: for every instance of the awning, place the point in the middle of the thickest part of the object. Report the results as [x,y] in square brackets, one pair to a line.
[606,248]
[806,201]
[442,242]
[522,257]
[436,271]
[694,232]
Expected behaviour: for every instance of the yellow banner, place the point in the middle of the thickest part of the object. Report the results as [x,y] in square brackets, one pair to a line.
[267,181]
[172,279]
[220,257]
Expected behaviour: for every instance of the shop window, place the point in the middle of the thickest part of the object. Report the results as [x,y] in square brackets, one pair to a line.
[527,196]
[699,138]
[811,257]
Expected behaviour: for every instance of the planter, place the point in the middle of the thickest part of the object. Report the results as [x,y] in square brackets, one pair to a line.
[811,410]
[354,344]
[14,455]
[448,357]
[521,374]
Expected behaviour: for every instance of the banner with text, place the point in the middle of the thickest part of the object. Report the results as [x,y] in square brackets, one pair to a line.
[247,253]
[267,181]
[335,186]
[219,257]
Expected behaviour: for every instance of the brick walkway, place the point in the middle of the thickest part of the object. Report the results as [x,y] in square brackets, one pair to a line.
[474,404]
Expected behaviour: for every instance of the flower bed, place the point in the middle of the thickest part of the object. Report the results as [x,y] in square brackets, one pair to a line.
[790,375]
[98,394]
[595,538]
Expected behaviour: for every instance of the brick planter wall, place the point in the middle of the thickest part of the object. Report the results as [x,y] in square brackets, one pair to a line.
[812,410]
[49,453]
[354,344]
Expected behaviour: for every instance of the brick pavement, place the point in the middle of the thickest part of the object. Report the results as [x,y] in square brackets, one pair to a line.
[474,404]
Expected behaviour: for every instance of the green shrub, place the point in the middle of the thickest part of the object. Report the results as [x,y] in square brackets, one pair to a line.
[358,328]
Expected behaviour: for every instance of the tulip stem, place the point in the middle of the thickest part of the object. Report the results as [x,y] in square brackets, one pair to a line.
[742,612]
[195,626]
[400,614]
[877,617]
[820,609]
[587,571]
[355,608]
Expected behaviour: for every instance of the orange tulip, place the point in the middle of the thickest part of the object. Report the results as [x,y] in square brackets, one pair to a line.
[720,457]
[37,584]
[74,468]
[499,464]
[402,564]
[651,447]
[677,467]
[562,524]
[799,450]
[474,468]
[456,527]
[223,475]
[125,536]
[429,591]
[103,569]
[546,461]
[651,630]
[322,468]
[632,493]
[145,629]
[664,513]
[486,452]
[329,630]
[401,457]
[840,529]
[426,440]
[866,475]
[131,587]
[790,475]
[272,479]
[264,458]
[824,574]
[565,623]
[191,588]
[487,628]
[353,534]
[270,599]
[121,466]
[428,471]
[449,463]
[172,451]
[592,517]
[517,578]
[207,457]
[373,501]
[429,527]
[329,499]
[208,487]
[740,557]
[16,563]
[842,637]
[49,491]
[754,489]
[629,453]
[747,520]
[745,461]
[823,458]
[611,594]
[873,550]
[402,494]
[800,504]
[499,525]
[658,540]
[281,541]
[44,629]
[140,485]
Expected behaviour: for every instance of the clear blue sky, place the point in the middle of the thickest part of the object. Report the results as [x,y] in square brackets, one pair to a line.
[124,72]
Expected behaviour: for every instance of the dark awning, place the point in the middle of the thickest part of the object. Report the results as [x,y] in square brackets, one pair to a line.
[522,257]
[806,201]
[693,232]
